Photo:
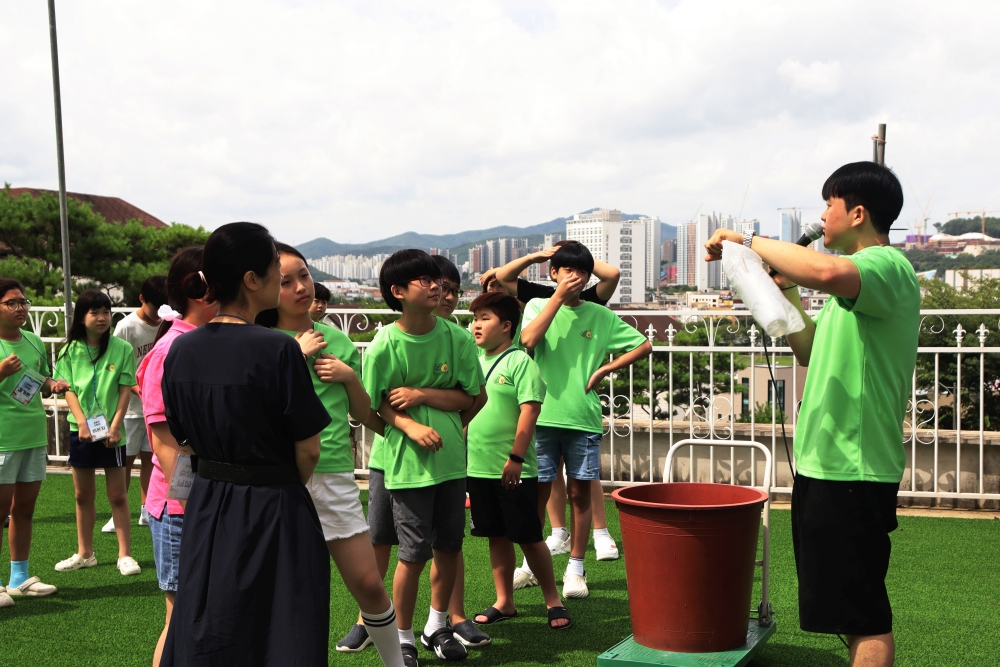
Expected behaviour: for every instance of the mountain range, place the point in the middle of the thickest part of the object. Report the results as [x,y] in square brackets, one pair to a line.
[457,243]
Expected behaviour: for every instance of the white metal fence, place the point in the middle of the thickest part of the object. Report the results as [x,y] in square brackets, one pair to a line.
[709,381]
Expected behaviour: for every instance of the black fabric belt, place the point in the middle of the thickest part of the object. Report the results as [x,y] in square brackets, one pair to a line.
[248,475]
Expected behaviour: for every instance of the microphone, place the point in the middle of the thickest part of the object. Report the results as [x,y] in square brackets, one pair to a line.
[812,231]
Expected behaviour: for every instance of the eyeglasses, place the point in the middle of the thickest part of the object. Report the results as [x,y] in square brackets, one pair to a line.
[426,281]
[17,304]
[454,291]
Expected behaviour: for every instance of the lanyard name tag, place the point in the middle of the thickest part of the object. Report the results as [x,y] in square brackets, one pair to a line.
[29,385]
[97,423]
[182,479]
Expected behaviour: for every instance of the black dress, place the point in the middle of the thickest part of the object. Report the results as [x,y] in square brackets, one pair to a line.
[254,579]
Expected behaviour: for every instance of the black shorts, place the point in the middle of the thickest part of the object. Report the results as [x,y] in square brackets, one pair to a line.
[94,454]
[429,519]
[500,512]
[840,533]
[380,526]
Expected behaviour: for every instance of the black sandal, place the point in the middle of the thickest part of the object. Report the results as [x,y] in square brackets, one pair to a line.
[493,615]
[555,613]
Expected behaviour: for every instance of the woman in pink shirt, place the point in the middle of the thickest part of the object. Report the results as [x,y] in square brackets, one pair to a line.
[187,309]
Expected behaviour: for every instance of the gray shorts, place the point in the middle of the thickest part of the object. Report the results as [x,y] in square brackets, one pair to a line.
[380,525]
[24,465]
[428,519]
[136,438]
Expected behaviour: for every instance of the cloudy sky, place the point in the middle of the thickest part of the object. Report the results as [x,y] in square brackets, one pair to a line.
[358,120]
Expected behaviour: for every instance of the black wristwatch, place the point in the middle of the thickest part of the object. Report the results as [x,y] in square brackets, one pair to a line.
[515,458]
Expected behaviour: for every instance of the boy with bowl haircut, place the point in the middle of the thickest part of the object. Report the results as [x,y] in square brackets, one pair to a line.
[861,351]
[572,340]
[503,469]
[423,449]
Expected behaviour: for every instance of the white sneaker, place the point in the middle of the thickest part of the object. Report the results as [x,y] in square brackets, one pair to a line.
[74,562]
[5,599]
[32,587]
[606,549]
[143,516]
[558,547]
[109,527]
[523,579]
[575,586]
[128,567]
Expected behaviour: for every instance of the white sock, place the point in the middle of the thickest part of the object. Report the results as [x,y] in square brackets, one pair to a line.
[575,566]
[525,566]
[560,533]
[435,621]
[602,533]
[406,637]
[384,631]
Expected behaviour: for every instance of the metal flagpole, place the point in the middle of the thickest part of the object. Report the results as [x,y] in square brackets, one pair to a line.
[61,162]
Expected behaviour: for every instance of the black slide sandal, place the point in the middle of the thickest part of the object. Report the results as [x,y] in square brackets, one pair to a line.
[493,615]
[555,613]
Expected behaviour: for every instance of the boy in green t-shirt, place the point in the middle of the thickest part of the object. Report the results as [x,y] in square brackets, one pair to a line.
[503,468]
[24,379]
[572,340]
[423,447]
[861,352]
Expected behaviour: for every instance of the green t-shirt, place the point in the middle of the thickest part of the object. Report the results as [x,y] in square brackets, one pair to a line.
[577,343]
[445,358]
[515,380]
[23,426]
[115,369]
[850,426]
[335,440]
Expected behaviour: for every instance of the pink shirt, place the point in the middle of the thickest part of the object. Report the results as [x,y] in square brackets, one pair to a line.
[150,377]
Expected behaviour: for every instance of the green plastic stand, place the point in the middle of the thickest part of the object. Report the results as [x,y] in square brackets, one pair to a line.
[628,653]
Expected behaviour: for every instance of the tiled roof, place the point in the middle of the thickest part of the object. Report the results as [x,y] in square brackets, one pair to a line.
[111,209]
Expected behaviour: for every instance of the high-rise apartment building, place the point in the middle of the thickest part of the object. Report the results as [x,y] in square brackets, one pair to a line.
[620,243]
[748,226]
[669,251]
[692,269]
[477,258]
[551,240]
[791,225]
[653,251]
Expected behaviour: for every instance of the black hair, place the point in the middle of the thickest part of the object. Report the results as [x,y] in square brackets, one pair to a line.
[501,304]
[7,284]
[230,252]
[154,290]
[871,185]
[572,255]
[269,318]
[91,299]
[400,268]
[183,283]
[448,269]
[322,292]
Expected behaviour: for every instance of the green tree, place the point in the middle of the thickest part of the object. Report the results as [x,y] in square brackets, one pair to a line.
[104,255]
[941,333]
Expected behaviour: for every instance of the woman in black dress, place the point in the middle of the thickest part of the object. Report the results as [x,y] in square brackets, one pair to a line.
[254,581]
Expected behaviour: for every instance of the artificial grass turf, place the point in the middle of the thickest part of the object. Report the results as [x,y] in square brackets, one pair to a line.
[943,581]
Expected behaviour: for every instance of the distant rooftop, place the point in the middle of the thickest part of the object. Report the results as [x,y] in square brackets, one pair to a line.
[111,209]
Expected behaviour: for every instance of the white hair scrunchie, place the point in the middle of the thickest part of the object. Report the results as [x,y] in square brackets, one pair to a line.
[167,313]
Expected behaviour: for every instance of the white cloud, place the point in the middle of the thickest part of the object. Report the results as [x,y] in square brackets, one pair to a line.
[815,79]
[358,120]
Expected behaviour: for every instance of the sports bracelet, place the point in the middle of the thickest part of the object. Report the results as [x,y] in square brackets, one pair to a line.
[788,288]
[515,458]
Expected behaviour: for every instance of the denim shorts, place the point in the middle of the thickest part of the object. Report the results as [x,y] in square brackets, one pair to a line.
[166,533]
[580,449]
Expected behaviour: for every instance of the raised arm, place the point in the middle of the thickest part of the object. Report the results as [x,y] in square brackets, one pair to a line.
[508,273]
[608,277]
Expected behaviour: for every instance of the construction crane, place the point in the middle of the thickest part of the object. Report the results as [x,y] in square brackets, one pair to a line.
[921,222]
[980,212]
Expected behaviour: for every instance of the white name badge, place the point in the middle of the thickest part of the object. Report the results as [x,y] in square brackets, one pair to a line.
[182,479]
[29,385]
[98,425]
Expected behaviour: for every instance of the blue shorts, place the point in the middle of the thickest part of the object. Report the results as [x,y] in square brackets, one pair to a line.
[166,533]
[94,454]
[581,450]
